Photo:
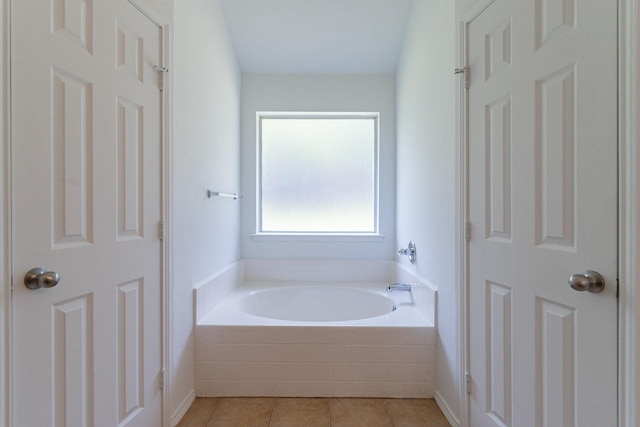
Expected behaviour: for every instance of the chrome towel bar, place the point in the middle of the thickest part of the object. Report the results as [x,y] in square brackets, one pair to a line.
[211,194]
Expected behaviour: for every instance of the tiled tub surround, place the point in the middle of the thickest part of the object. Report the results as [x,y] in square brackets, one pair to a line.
[237,354]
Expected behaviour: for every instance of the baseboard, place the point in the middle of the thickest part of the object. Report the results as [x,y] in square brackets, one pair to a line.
[183,408]
[453,420]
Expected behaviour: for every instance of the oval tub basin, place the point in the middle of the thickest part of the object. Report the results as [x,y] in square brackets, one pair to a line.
[316,304]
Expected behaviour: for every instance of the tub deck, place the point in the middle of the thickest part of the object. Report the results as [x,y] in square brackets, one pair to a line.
[409,312]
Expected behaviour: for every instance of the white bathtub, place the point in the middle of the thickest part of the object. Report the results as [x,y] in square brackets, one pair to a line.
[311,338]
[316,303]
[311,304]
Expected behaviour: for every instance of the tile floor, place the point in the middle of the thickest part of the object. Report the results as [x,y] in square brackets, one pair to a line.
[303,412]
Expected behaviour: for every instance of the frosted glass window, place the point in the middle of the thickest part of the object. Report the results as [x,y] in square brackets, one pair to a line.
[318,174]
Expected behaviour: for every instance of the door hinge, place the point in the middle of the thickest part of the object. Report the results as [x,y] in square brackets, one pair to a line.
[467,231]
[162,71]
[162,378]
[467,382]
[467,75]
[161,230]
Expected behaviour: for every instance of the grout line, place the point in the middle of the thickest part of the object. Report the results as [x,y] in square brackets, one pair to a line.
[330,413]
[273,406]
[213,409]
[386,408]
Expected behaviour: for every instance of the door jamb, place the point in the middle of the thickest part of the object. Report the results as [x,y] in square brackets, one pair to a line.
[5,216]
[164,23]
[629,212]
[462,130]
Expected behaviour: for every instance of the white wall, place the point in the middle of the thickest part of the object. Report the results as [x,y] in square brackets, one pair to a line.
[205,156]
[163,7]
[337,93]
[427,173]
[462,6]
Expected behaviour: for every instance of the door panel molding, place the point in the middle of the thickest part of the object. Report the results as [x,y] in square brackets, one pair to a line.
[73,342]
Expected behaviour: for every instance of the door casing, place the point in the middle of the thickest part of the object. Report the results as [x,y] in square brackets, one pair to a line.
[5,220]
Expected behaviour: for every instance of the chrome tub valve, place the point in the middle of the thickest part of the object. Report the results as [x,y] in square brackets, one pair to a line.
[409,251]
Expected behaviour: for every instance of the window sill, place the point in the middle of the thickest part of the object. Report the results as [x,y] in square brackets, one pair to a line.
[320,237]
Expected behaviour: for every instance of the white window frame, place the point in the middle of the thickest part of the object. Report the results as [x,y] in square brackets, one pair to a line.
[317,236]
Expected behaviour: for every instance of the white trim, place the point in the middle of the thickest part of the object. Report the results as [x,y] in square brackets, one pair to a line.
[318,114]
[5,217]
[166,111]
[317,237]
[181,411]
[629,241]
[446,410]
[311,115]
[167,217]
[151,12]
[167,192]
[462,213]
[473,12]
[163,22]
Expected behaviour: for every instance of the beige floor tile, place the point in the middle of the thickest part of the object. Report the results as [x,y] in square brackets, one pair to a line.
[359,413]
[199,413]
[416,413]
[242,412]
[297,412]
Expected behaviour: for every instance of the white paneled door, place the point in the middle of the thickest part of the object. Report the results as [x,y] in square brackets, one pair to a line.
[542,207]
[87,205]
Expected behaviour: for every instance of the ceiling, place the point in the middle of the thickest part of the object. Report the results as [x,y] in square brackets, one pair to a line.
[317,36]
